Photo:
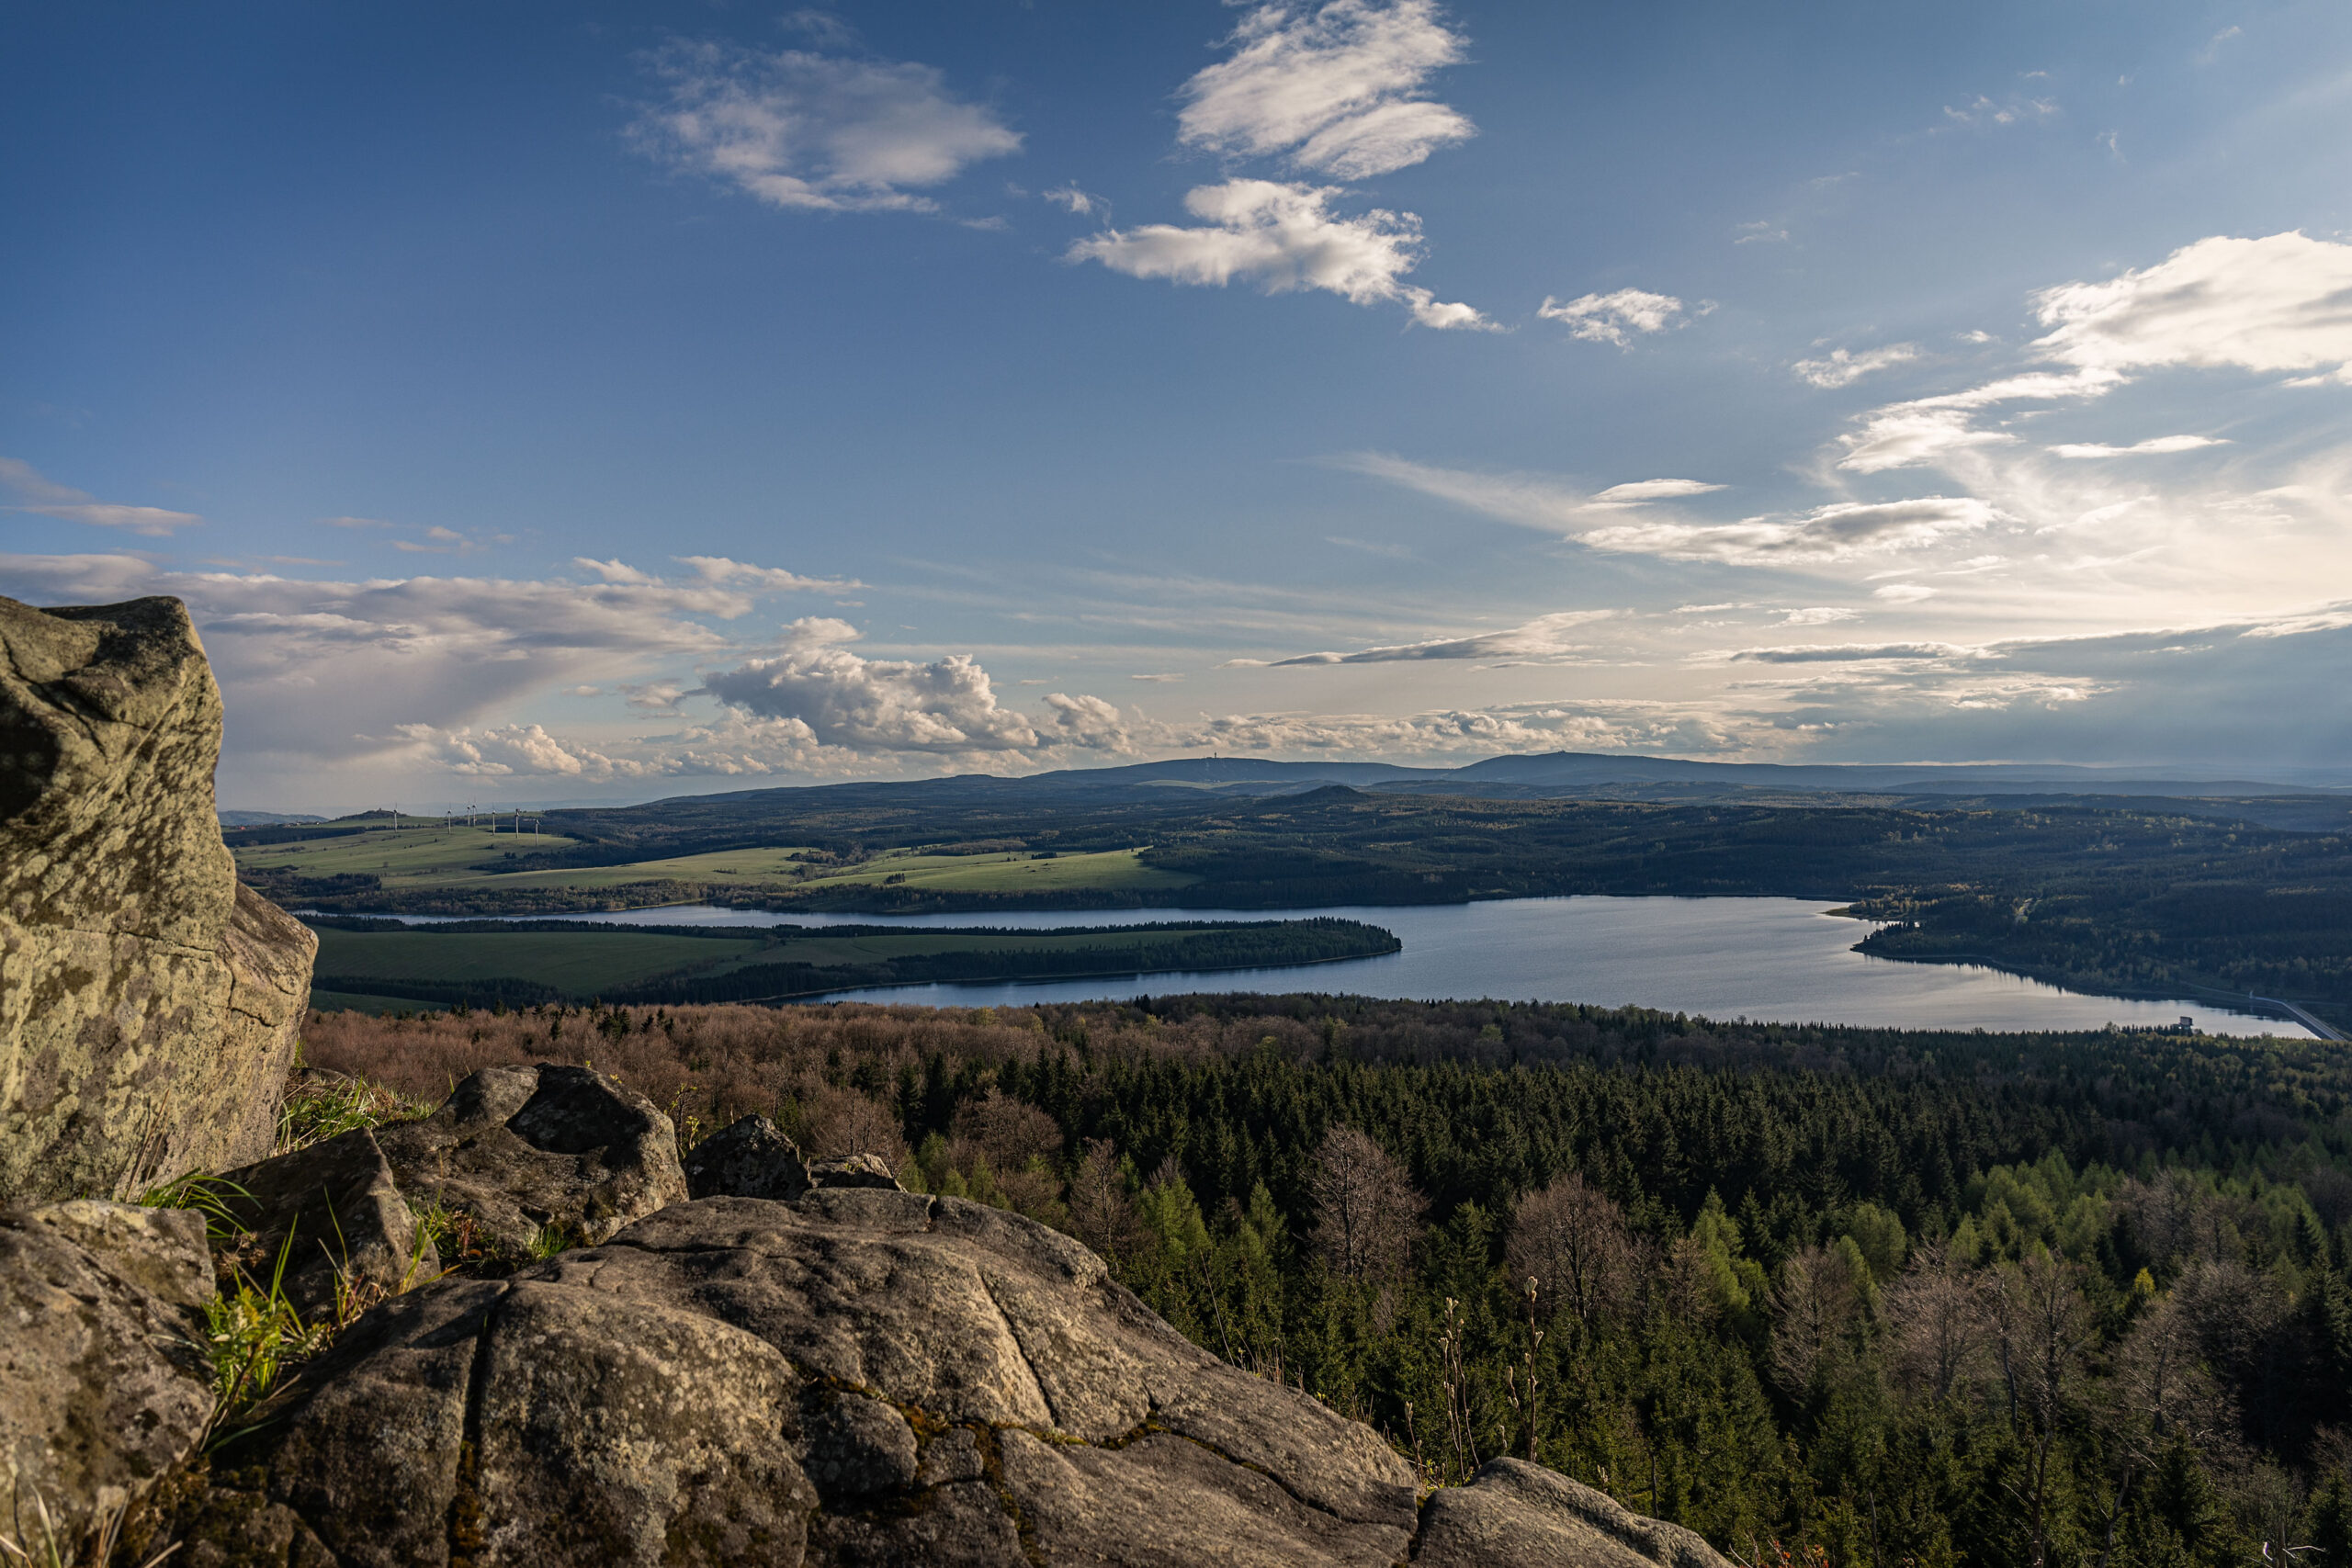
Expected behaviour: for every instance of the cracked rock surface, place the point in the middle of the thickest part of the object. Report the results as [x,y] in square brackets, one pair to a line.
[857,1376]
[150,1005]
[103,1385]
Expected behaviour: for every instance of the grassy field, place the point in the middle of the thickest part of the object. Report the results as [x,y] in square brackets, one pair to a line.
[1013,873]
[410,857]
[416,858]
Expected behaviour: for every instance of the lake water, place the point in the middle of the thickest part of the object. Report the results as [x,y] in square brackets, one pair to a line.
[1781,959]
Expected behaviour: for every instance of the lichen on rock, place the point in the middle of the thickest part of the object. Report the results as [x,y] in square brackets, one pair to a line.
[149,1005]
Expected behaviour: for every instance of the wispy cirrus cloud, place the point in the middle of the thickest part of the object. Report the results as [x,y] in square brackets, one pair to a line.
[1337,89]
[821,132]
[1283,238]
[2156,446]
[45,497]
[1545,637]
[1623,519]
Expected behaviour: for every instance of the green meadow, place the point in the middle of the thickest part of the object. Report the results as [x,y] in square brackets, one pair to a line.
[420,859]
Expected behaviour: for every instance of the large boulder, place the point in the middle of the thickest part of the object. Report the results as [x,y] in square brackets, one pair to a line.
[104,1383]
[858,1376]
[1516,1515]
[539,1155]
[328,1225]
[149,1005]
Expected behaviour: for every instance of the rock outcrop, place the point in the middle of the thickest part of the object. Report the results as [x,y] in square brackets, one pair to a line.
[149,1005]
[1514,1512]
[539,1155]
[104,1386]
[857,1376]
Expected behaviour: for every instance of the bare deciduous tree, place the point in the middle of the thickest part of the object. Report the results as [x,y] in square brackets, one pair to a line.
[2042,1328]
[1814,1306]
[1572,1241]
[1101,1211]
[1366,1213]
[844,1121]
[1938,1326]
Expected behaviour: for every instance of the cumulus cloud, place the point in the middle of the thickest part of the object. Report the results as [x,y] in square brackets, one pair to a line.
[1543,637]
[1338,87]
[1843,367]
[1838,531]
[946,705]
[46,498]
[1617,317]
[1282,237]
[815,131]
[2161,443]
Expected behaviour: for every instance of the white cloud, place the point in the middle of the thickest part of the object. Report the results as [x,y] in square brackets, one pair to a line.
[1543,637]
[1337,86]
[1070,198]
[46,498]
[946,705]
[1836,532]
[1616,317]
[1283,238]
[718,568]
[1844,367]
[2013,110]
[2160,444]
[800,130]
[1850,652]
[1532,501]
[1902,593]
[1819,615]
[334,668]
[1653,489]
[1907,435]
[2279,303]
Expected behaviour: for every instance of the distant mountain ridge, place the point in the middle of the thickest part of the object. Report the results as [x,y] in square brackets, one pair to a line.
[1560,773]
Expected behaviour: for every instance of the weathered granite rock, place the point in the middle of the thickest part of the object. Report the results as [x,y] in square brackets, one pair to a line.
[750,1158]
[527,1149]
[1516,1515]
[953,1385]
[104,1386]
[149,1005]
[353,1239]
[853,1170]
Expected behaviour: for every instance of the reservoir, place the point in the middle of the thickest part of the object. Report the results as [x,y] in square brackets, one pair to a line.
[1786,960]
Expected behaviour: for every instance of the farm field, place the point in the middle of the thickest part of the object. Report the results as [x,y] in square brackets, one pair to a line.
[409,857]
[423,858]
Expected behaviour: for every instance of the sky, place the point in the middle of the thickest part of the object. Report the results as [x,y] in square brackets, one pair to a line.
[544,403]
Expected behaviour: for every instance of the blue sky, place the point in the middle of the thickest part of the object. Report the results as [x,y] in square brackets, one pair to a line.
[548,403]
